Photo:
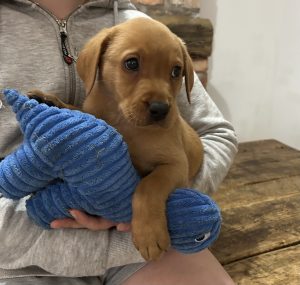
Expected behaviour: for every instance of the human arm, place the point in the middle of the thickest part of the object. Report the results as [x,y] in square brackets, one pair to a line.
[217,136]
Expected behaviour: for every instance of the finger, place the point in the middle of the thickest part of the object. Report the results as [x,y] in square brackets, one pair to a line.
[124,227]
[65,223]
[91,222]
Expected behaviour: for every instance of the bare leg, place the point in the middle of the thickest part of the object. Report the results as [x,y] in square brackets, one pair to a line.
[176,268]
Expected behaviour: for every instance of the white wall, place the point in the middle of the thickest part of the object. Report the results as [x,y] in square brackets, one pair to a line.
[254,72]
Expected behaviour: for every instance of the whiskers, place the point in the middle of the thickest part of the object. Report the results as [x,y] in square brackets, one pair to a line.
[134,117]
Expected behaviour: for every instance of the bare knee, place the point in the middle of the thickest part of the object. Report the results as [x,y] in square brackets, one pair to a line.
[177,268]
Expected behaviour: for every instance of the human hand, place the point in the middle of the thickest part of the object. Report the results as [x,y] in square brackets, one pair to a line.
[82,220]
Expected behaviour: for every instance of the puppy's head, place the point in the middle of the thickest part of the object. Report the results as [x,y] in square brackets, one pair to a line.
[141,63]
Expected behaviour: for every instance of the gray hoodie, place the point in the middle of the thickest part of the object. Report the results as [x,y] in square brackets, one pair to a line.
[37,52]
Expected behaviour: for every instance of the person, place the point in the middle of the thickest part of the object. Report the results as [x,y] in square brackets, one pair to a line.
[39,42]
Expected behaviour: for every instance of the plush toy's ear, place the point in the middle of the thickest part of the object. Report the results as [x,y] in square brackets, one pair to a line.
[188,71]
[90,56]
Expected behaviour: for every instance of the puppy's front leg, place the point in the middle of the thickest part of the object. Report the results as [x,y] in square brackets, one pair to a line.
[149,221]
[49,99]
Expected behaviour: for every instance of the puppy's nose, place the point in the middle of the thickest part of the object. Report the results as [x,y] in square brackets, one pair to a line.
[158,110]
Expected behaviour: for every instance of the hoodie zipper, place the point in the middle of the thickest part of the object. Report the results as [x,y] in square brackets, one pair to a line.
[68,58]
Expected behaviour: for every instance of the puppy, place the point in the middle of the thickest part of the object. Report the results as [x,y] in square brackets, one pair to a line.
[132,74]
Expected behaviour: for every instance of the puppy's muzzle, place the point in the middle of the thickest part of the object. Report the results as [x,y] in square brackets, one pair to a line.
[158,110]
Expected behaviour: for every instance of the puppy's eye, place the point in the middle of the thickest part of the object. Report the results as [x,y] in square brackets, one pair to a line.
[132,64]
[176,71]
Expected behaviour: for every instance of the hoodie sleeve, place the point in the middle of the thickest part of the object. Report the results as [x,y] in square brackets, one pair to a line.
[65,252]
[217,136]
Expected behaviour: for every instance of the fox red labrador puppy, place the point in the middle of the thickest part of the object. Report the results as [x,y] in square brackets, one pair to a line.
[132,74]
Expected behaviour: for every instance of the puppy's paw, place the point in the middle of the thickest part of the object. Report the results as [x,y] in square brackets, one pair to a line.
[151,239]
[48,99]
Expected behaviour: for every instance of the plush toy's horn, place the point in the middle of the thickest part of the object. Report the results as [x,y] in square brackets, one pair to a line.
[26,110]
[20,172]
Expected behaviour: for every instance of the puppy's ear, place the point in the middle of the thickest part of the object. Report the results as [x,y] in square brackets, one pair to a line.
[89,57]
[188,71]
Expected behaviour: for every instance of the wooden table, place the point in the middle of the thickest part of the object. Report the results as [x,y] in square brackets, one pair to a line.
[260,201]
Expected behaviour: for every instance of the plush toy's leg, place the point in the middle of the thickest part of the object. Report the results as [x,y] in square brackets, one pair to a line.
[55,201]
[50,204]
[194,219]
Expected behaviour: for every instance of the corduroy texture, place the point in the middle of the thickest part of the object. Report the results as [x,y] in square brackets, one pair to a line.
[70,159]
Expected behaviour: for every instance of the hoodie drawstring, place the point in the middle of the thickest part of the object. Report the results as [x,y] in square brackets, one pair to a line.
[116,12]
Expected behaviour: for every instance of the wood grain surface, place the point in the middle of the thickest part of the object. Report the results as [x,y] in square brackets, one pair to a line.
[260,202]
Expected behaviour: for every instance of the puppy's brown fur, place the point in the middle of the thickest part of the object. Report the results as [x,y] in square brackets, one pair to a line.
[166,152]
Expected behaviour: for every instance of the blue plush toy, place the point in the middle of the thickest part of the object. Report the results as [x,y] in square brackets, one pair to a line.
[70,159]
